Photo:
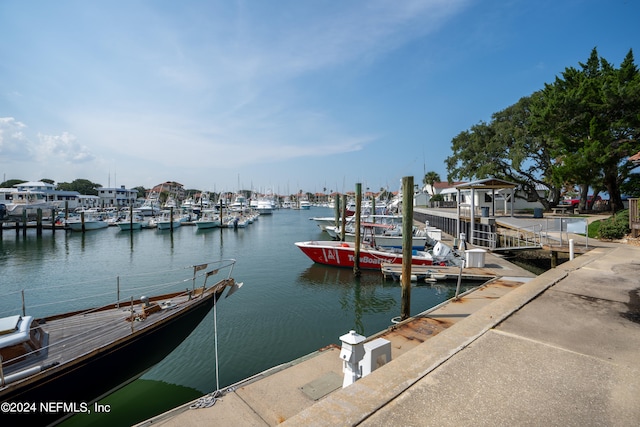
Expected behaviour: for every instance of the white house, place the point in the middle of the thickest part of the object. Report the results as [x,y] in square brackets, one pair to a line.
[118,197]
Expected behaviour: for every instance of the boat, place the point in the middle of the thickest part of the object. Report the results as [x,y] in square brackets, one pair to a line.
[265,206]
[86,222]
[72,359]
[304,204]
[325,221]
[150,207]
[25,202]
[135,222]
[389,236]
[342,254]
[236,221]
[209,219]
[166,222]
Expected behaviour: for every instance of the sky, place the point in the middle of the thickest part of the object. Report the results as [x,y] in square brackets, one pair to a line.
[276,96]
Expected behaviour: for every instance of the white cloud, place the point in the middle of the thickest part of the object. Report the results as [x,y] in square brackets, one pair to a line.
[13,142]
[63,147]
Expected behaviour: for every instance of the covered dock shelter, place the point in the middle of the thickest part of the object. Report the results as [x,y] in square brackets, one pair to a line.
[482,186]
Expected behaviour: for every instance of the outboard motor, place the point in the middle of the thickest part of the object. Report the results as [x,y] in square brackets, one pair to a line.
[441,250]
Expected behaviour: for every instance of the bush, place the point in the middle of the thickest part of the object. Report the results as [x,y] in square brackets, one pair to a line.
[615,227]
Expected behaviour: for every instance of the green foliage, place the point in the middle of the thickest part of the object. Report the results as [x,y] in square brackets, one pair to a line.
[577,131]
[615,227]
[11,182]
[142,192]
[82,186]
[631,186]
[430,179]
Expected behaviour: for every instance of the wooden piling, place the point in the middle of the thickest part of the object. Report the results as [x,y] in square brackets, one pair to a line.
[356,254]
[131,219]
[344,216]
[407,245]
[336,211]
[39,222]
[82,220]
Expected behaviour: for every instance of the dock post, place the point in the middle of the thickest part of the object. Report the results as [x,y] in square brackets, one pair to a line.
[571,249]
[356,254]
[344,216]
[24,222]
[82,220]
[336,211]
[131,219]
[171,218]
[407,243]
[39,222]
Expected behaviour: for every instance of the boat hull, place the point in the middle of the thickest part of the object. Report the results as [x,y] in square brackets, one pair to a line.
[128,226]
[200,225]
[104,370]
[164,225]
[343,255]
[88,225]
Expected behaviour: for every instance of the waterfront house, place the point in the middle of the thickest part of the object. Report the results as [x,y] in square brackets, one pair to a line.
[117,197]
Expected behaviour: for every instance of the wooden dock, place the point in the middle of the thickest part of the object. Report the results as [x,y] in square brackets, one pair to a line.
[431,273]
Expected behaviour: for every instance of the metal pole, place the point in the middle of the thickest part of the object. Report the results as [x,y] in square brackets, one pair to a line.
[459,280]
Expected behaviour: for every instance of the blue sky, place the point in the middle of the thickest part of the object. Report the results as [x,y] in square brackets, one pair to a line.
[284,95]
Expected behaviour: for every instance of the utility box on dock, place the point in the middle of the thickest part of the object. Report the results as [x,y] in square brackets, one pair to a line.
[351,354]
[475,257]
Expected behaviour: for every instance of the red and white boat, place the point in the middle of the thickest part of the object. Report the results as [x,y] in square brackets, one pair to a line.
[342,254]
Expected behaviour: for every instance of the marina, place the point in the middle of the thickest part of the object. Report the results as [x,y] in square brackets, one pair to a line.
[288,307]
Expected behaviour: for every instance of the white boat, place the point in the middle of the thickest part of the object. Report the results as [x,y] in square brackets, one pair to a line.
[209,219]
[89,222]
[29,201]
[136,222]
[150,207]
[304,204]
[236,221]
[165,222]
[265,206]
[325,221]
[240,204]
[388,236]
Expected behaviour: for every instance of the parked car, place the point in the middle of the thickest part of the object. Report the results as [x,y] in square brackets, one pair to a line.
[590,201]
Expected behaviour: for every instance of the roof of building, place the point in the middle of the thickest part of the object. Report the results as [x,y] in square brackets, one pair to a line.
[487,183]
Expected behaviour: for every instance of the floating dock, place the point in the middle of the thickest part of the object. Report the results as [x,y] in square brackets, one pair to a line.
[432,273]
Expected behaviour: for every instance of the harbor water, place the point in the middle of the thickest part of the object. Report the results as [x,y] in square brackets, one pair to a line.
[287,308]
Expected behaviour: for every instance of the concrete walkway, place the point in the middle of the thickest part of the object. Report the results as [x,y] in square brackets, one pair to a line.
[558,349]
[561,350]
